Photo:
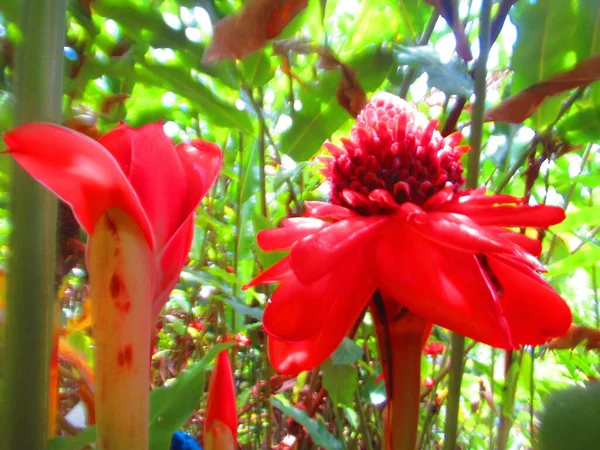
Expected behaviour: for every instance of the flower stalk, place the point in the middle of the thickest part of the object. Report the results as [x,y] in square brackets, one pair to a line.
[400,336]
[120,268]
[30,291]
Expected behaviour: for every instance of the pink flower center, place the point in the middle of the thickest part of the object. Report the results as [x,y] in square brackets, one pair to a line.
[393,147]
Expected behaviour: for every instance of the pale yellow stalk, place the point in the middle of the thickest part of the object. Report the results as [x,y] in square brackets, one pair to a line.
[121,269]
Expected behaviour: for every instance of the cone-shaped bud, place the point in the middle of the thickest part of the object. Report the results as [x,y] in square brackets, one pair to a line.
[220,425]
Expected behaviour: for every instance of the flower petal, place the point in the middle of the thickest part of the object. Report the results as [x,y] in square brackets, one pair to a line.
[221,414]
[323,210]
[274,274]
[79,170]
[297,311]
[534,310]
[293,230]
[315,255]
[530,245]
[441,285]
[538,216]
[291,358]
[149,160]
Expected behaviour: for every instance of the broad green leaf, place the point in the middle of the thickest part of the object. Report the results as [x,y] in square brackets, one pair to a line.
[451,77]
[317,430]
[581,126]
[321,115]
[170,407]
[588,28]
[582,258]
[257,68]
[414,15]
[570,419]
[372,64]
[544,47]
[210,105]
[341,381]
[587,215]
[255,313]
[348,352]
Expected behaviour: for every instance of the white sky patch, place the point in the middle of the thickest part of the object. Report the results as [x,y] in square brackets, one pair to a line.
[240,105]
[283,123]
[112,28]
[162,55]
[193,34]
[171,129]
[287,163]
[269,97]
[419,88]
[172,20]
[203,20]
[168,99]
[102,84]
[187,17]
[297,105]
[445,46]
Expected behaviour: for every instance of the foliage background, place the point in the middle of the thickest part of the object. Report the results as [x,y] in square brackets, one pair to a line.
[141,61]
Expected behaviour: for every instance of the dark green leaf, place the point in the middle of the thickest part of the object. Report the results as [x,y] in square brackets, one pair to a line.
[341,381]
[317,430]
[348,352]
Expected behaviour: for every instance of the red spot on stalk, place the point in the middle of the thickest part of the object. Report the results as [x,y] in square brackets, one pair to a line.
[125,357]
[119,294]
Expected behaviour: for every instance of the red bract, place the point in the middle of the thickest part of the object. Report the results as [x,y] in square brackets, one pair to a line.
[428,382]
[242,339]
[136,170]
[220,422]
[398,222]
[433,348]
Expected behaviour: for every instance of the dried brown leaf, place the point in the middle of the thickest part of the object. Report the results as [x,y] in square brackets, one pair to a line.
[575,336]
[238,35]
[519,107]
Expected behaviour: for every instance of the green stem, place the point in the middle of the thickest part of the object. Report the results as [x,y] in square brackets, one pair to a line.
[30,290]
[410,74]
[458,342]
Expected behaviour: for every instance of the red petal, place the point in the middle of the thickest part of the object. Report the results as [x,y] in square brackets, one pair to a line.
[534,311]
[78,170]
[459,232]
[323,210]
[442,285]
[221,403]
[293,230]
[315,255]
[297,311]
[274,274]
[532,246]
[539,216]
[291,358]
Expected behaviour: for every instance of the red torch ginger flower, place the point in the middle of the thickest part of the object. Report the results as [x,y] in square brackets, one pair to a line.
[135,194]
[220,425]
[398,222]
[433,349]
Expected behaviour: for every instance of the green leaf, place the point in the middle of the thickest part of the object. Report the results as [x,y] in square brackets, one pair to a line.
[212,107]
[372,65]
[582,258]
[544,47]
[170,407]
[451,77]
[582,126]
[414,16]
[317,430]
[348,352]
[255,313]
[320,116]
[257,68]
[341,381]
[571,418]
[587,215]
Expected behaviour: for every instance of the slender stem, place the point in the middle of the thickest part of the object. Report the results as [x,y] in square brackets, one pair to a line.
[33,212]
[364,424]
[410,74]
[458,342]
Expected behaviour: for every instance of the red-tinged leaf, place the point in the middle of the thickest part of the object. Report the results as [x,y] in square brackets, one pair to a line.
[575,336]
[238,35]
[448,9]
[519,107]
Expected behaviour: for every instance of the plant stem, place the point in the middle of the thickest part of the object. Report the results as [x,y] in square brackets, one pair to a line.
[400,336]
[458,342]
[410,74]
[30,290]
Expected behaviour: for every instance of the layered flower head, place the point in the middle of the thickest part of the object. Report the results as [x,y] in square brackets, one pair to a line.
[138,171]
[397,221]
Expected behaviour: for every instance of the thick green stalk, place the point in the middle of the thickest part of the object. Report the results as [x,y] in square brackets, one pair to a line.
[30,289]
[457,341]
